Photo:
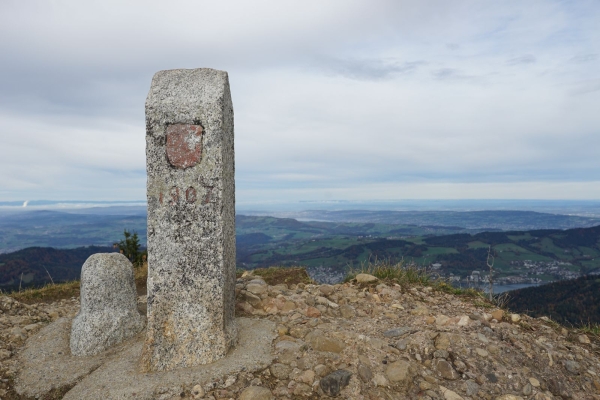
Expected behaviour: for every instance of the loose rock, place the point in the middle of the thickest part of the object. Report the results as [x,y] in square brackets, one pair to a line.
[333,383]
[365,278]
[256,393]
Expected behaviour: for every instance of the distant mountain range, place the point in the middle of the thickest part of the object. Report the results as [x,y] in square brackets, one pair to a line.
[101,226]
[505,220]
[329,249]
[36,266]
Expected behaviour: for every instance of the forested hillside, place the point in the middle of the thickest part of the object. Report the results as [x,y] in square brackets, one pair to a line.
[32,264]
[575,301]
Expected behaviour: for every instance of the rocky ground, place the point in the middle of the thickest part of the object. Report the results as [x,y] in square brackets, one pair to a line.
[369,340]
[18,321]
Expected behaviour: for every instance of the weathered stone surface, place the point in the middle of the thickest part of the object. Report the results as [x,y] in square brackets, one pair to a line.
[191,219]
[333,383]
[47,364]
[108,313]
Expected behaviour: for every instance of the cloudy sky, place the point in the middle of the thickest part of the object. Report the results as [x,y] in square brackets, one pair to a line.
[337,99]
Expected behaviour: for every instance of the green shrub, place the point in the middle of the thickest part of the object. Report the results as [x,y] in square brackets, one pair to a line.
[130,248]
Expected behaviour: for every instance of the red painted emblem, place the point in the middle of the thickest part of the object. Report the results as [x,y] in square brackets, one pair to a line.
[184,145]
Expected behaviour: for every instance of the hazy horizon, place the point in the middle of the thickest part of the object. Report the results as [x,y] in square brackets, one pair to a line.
[566,207]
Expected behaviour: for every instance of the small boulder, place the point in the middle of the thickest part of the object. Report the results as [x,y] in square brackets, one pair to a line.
[322,343]
[307,377]
[572,366]
[583,339]
[364,372]
[442,341]
[398,371]
[4,354]
[497,315]
[197,392]
[534,382]
[257,287]
[108,313]
[333,383]
[398,332]
[446,370]
[326,289]
[280,371]
[347,311]
[365,278]
[313,312]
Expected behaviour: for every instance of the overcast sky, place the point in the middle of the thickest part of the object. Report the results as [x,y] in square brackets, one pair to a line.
[351,100]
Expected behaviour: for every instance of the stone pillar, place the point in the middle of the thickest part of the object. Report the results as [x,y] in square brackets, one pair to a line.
[191,219]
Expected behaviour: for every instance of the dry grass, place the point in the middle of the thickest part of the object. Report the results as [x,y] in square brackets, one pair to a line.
[141,275]
[591,329]
[278,275]
[410,274]
[48,293]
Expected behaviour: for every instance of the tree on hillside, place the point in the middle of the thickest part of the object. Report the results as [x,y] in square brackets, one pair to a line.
[130,248]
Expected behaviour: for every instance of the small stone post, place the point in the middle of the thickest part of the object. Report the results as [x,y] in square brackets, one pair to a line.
[191,219]
[108,313]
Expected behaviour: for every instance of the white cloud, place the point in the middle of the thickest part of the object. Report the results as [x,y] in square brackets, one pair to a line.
[350,99]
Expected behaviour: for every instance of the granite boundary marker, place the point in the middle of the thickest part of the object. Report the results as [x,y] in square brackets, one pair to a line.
[191,219]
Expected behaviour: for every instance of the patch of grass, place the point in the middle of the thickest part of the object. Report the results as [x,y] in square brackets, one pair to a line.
[410,274]
[592,329]
[401,273]
[140,275]
[446,287]
[483,304]
[552,323]
[48,293]
[278,275]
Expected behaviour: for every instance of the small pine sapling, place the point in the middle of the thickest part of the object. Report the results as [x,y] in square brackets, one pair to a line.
[130,248]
